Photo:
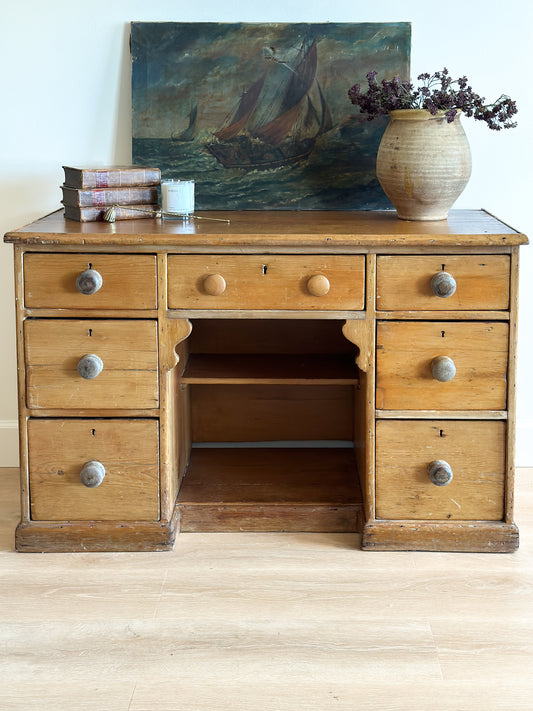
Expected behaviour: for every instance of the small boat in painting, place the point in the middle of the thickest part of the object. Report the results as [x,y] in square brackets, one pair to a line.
[188,133]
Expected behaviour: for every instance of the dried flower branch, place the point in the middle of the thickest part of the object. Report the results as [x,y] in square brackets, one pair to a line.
[437,92]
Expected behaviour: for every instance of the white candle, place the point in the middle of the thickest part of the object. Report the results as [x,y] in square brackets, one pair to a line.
[177,197]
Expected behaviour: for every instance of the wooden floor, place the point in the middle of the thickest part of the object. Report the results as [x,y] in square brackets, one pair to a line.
[266,622]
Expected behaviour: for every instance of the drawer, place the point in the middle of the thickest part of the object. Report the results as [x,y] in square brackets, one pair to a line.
[266,282]
[128,454]
[475,453]
[405,283]
[128,281]
[127,350]
[410,354]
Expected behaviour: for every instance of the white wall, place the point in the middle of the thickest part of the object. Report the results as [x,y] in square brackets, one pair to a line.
[65,71]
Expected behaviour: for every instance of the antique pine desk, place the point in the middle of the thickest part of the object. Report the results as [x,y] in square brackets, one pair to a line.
[288,371]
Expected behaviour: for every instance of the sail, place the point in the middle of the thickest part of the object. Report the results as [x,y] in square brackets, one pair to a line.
[245,108]
[188,133]
[302,78]
[327,121]
[312,118]
[300,83]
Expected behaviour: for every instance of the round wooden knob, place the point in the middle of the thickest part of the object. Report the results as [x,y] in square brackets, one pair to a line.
[89,281]
[214,284]
[440,472]
[90,366]
[92,474]
[443,368]
[318,285]
[443,285]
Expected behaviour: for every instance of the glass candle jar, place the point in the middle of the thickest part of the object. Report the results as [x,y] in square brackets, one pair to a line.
[177,197]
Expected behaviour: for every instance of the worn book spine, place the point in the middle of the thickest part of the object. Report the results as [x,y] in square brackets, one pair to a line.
[98,197]
[96,214]
[111,177]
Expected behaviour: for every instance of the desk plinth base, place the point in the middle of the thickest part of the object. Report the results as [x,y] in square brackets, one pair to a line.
[456,536]
[100,536]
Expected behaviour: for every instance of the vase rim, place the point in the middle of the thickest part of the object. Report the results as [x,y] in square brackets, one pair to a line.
[417,114]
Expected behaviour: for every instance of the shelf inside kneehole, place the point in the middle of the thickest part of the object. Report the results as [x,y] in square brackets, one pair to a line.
[268,351]
[298,369]
[251,388]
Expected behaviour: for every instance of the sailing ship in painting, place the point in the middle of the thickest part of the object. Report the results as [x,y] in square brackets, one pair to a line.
[187,134]
[279,118]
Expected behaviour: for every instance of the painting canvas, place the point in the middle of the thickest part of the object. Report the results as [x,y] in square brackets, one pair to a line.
[258,113]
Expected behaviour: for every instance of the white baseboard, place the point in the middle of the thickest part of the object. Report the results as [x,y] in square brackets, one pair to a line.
[9,443]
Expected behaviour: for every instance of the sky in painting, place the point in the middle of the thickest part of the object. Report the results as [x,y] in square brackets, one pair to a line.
[177,65]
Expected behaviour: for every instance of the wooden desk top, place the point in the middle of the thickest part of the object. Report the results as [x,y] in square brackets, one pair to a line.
[463,228]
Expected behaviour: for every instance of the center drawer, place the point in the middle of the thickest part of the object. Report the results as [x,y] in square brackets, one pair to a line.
[266,282]
[118,360]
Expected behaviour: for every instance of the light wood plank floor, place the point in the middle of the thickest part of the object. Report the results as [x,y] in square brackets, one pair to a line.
[261,622]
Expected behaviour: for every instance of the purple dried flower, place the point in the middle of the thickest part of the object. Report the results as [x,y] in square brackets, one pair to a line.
[450,115]
[437,92]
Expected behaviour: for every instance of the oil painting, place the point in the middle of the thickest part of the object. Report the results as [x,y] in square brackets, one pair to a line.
[258,114]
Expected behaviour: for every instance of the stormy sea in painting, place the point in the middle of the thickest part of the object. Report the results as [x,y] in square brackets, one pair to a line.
[258,114]
[318,183]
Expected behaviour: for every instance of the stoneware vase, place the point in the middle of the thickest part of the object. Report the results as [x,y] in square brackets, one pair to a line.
[423,163]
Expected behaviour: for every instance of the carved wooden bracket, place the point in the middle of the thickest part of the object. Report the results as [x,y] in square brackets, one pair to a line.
[171,333]
[361,333]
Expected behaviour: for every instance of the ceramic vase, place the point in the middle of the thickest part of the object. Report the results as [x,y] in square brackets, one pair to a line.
[423,163]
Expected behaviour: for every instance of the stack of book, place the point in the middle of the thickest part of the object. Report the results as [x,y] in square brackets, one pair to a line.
[132,191]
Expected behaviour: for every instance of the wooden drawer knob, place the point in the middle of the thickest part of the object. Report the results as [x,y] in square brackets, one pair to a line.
[443,285]
[92,474]
[443,368]
[440,472]
[214,284]
[89,281]
[318,285]
[90,366]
